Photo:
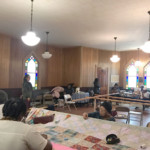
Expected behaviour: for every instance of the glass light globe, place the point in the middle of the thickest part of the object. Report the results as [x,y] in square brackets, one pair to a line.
[46,55]
[138,63]
[30,39]
[146,47]
[115,58]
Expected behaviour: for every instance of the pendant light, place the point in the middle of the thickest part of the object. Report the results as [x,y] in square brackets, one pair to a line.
[138,62]
[115,57]
[46,54]
[146,46]
[30,38]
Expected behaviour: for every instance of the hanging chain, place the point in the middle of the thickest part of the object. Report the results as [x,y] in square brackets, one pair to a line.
[138,54]
[115,43]
[31,13]
[149,24]
[47,41]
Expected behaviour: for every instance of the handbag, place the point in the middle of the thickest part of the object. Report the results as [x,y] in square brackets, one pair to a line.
[43,119]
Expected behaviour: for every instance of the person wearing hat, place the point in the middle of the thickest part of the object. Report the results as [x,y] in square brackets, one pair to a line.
[103,113]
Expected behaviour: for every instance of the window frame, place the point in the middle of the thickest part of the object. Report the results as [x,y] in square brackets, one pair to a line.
[145,75]
[36,73]
[127,75]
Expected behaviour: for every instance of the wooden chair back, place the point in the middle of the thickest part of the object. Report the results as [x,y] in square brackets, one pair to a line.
[123,109]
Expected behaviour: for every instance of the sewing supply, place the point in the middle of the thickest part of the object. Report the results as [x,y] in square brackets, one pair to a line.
[143,146]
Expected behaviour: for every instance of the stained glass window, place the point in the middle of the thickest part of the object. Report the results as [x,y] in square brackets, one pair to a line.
[132,77]
[147,76]
[31,68]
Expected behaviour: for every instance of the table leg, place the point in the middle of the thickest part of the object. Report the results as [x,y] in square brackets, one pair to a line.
[94,105]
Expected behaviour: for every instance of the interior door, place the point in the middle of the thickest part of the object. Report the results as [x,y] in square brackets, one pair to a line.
[102,75]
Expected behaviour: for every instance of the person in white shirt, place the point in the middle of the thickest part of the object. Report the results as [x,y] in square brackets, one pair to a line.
[3,98]
[1,107]
[17,135]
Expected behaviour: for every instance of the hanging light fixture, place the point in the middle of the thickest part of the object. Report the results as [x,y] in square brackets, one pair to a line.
[46,54]
[115,57]
[30,38]
[146,46]
[138,62]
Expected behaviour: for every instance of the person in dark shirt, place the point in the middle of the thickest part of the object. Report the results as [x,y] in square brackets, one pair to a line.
[27,90]
[96,86]
[69,89]
[103,113]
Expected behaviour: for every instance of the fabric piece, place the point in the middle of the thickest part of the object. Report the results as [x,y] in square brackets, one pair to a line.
[61,147]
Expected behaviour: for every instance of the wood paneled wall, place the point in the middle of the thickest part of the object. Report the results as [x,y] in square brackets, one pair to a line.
[18,54]
[126,57]
[89,61]
[104,62]
[55,67]
[4,61]
[92,58]
[72,65]
[69,65]
[13,54]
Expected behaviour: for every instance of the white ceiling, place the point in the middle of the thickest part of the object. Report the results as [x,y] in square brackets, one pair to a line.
[91,23]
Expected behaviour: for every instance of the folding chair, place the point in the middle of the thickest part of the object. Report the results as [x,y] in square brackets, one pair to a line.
[123,113]
[68,101]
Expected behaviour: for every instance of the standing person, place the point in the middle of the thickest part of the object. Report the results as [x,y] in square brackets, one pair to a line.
[27,90]
[17,135]
[96,86]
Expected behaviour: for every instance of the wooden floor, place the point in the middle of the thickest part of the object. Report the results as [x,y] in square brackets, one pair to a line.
[81,109]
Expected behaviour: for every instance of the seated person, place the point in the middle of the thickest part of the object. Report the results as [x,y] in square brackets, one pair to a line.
[137,93]
[69,89]
[104,112]
[17,135]
[115,89]
[145,96]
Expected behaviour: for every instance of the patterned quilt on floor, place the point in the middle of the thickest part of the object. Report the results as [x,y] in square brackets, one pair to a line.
[79,141]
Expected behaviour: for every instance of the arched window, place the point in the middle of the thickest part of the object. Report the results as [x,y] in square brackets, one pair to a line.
[147,76]
[132,78]
[31,68]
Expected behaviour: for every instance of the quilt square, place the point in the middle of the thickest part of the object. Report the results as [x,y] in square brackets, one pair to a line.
[92,139]
[60,129]
[80,136]
[79,147]
[120,147]
[100,147]
[71,133]
[85,143]
[51,127]
[52,132]
[56,139]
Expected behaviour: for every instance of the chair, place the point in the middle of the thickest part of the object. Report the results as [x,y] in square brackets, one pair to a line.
[48,99]
[123,113]
[138,115]
[68,101]
[36,98]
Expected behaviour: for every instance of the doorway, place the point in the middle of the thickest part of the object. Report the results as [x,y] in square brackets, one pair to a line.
[102,75]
